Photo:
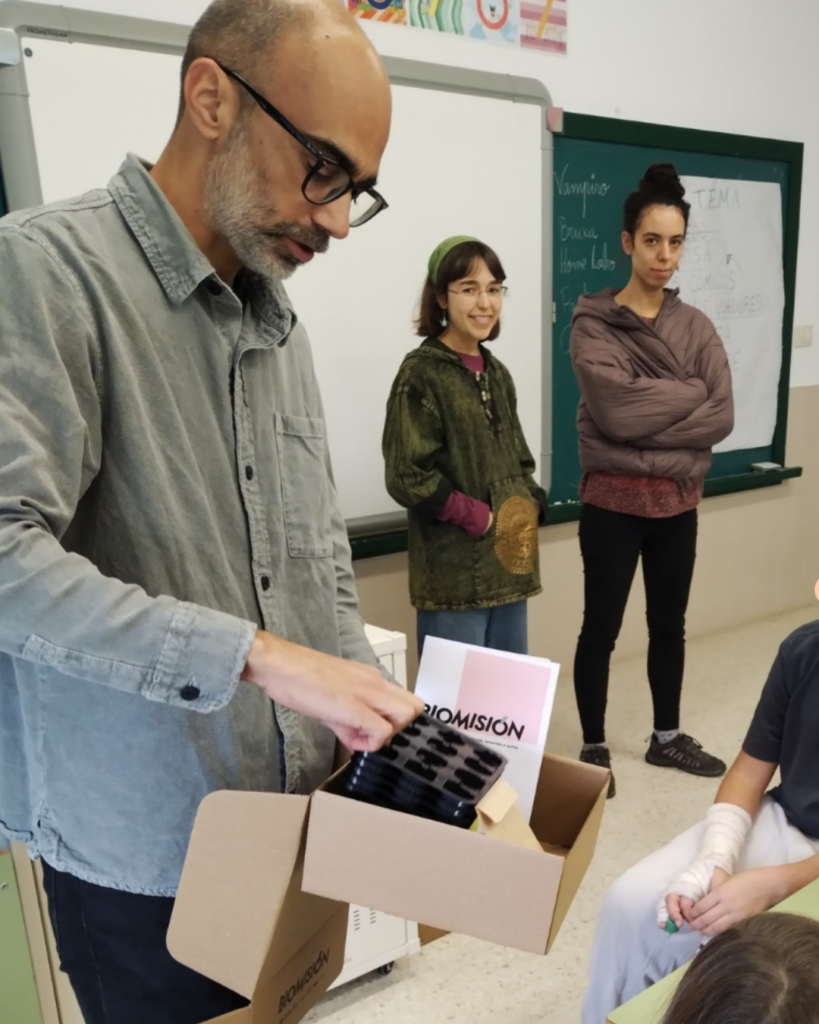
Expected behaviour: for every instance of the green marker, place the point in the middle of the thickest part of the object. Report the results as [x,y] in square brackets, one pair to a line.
[670,927]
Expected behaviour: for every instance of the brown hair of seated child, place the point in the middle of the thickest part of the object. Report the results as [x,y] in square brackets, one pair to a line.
[762,971]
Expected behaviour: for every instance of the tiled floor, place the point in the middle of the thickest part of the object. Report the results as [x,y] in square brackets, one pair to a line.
[463,981]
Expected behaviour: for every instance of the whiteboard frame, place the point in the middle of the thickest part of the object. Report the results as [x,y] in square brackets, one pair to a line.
[21,176]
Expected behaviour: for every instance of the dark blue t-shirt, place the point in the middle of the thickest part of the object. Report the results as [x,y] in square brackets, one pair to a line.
[785,727]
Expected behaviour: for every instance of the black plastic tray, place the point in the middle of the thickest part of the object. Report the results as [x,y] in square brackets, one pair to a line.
[429,770]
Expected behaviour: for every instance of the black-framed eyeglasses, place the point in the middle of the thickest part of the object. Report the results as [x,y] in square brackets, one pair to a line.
[327,180]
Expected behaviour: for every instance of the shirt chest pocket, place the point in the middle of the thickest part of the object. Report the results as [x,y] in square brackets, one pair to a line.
[301,444]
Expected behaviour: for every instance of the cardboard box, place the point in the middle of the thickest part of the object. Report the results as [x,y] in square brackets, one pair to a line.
[263,900]
[512,885]
[241,917]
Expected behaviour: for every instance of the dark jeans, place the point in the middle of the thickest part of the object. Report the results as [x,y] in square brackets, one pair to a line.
[112,947]
[503,628]
[611,545]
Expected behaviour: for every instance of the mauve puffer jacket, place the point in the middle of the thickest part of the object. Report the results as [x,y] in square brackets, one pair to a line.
[654,399]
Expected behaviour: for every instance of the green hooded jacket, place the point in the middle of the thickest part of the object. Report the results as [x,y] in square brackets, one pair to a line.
[449,429]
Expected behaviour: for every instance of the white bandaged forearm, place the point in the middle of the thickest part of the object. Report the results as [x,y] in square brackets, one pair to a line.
[726,828]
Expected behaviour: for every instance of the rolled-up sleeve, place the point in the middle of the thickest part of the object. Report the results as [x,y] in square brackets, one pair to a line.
[56,607]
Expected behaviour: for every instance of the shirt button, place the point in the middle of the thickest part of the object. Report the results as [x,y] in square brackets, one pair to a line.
[190,692]
[249,472]
[214,288]
[265,582]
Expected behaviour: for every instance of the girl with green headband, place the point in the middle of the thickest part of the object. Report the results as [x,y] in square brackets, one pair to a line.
[457,459]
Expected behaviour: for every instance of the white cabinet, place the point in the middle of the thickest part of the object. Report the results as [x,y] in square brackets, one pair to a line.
[391,650]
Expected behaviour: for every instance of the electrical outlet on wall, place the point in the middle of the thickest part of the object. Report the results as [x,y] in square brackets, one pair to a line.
[803,336]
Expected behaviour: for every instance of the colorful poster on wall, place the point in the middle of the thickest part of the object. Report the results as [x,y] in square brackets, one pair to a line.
[392,11]
[531,24]
[490,21]
[543,25]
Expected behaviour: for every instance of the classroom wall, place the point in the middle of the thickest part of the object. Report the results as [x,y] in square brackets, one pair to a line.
[743,66]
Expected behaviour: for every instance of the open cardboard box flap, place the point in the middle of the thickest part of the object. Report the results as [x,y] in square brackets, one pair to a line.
[241,917]
[512,886]
[501,817]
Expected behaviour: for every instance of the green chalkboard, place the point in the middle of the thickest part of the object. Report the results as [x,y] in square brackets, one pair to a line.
[597,163]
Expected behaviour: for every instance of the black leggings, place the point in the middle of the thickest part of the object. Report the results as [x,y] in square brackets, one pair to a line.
[611,544]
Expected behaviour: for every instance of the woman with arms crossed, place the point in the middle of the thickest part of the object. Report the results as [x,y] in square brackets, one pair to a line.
[656,396]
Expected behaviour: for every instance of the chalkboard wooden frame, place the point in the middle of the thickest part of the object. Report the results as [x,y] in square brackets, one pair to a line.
[636,133]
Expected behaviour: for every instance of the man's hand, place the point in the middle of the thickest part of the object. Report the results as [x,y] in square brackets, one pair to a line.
[353,700]
[733,899]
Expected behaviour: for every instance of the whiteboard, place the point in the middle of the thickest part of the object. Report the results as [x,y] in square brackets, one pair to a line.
[731,269]
[456,164]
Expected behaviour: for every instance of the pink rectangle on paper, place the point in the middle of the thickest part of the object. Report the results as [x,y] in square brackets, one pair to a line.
[505,690]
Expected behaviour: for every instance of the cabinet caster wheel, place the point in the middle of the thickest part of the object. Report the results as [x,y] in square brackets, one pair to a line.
[386,969]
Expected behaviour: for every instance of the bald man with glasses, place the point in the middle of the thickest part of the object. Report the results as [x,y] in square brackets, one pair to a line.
[178,612]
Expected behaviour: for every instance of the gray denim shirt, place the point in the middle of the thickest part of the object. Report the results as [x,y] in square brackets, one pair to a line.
[164,487]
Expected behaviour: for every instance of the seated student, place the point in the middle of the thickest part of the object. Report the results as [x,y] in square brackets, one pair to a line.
[763,971]
[752,851]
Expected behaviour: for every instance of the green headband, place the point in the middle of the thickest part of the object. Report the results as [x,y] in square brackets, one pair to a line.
[441,253]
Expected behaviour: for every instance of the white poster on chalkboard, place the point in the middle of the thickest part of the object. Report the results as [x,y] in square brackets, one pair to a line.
[732,270]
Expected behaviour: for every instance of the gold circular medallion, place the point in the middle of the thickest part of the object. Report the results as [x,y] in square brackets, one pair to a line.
[516,536]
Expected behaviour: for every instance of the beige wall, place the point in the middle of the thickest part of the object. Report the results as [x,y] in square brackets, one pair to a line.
[758,555]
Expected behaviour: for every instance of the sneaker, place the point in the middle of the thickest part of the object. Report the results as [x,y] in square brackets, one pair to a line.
[600,757]
[685,753]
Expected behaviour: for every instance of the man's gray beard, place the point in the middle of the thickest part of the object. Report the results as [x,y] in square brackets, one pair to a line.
[234,211]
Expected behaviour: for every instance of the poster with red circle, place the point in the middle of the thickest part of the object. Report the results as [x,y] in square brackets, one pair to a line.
[493,13]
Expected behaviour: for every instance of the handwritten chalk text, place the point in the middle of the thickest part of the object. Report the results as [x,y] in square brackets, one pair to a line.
[586,189]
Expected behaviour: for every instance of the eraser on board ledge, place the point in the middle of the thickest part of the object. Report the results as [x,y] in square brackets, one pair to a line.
[764,467]
[554,119]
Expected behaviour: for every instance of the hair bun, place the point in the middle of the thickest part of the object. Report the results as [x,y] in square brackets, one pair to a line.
[660,186]
[662,176]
